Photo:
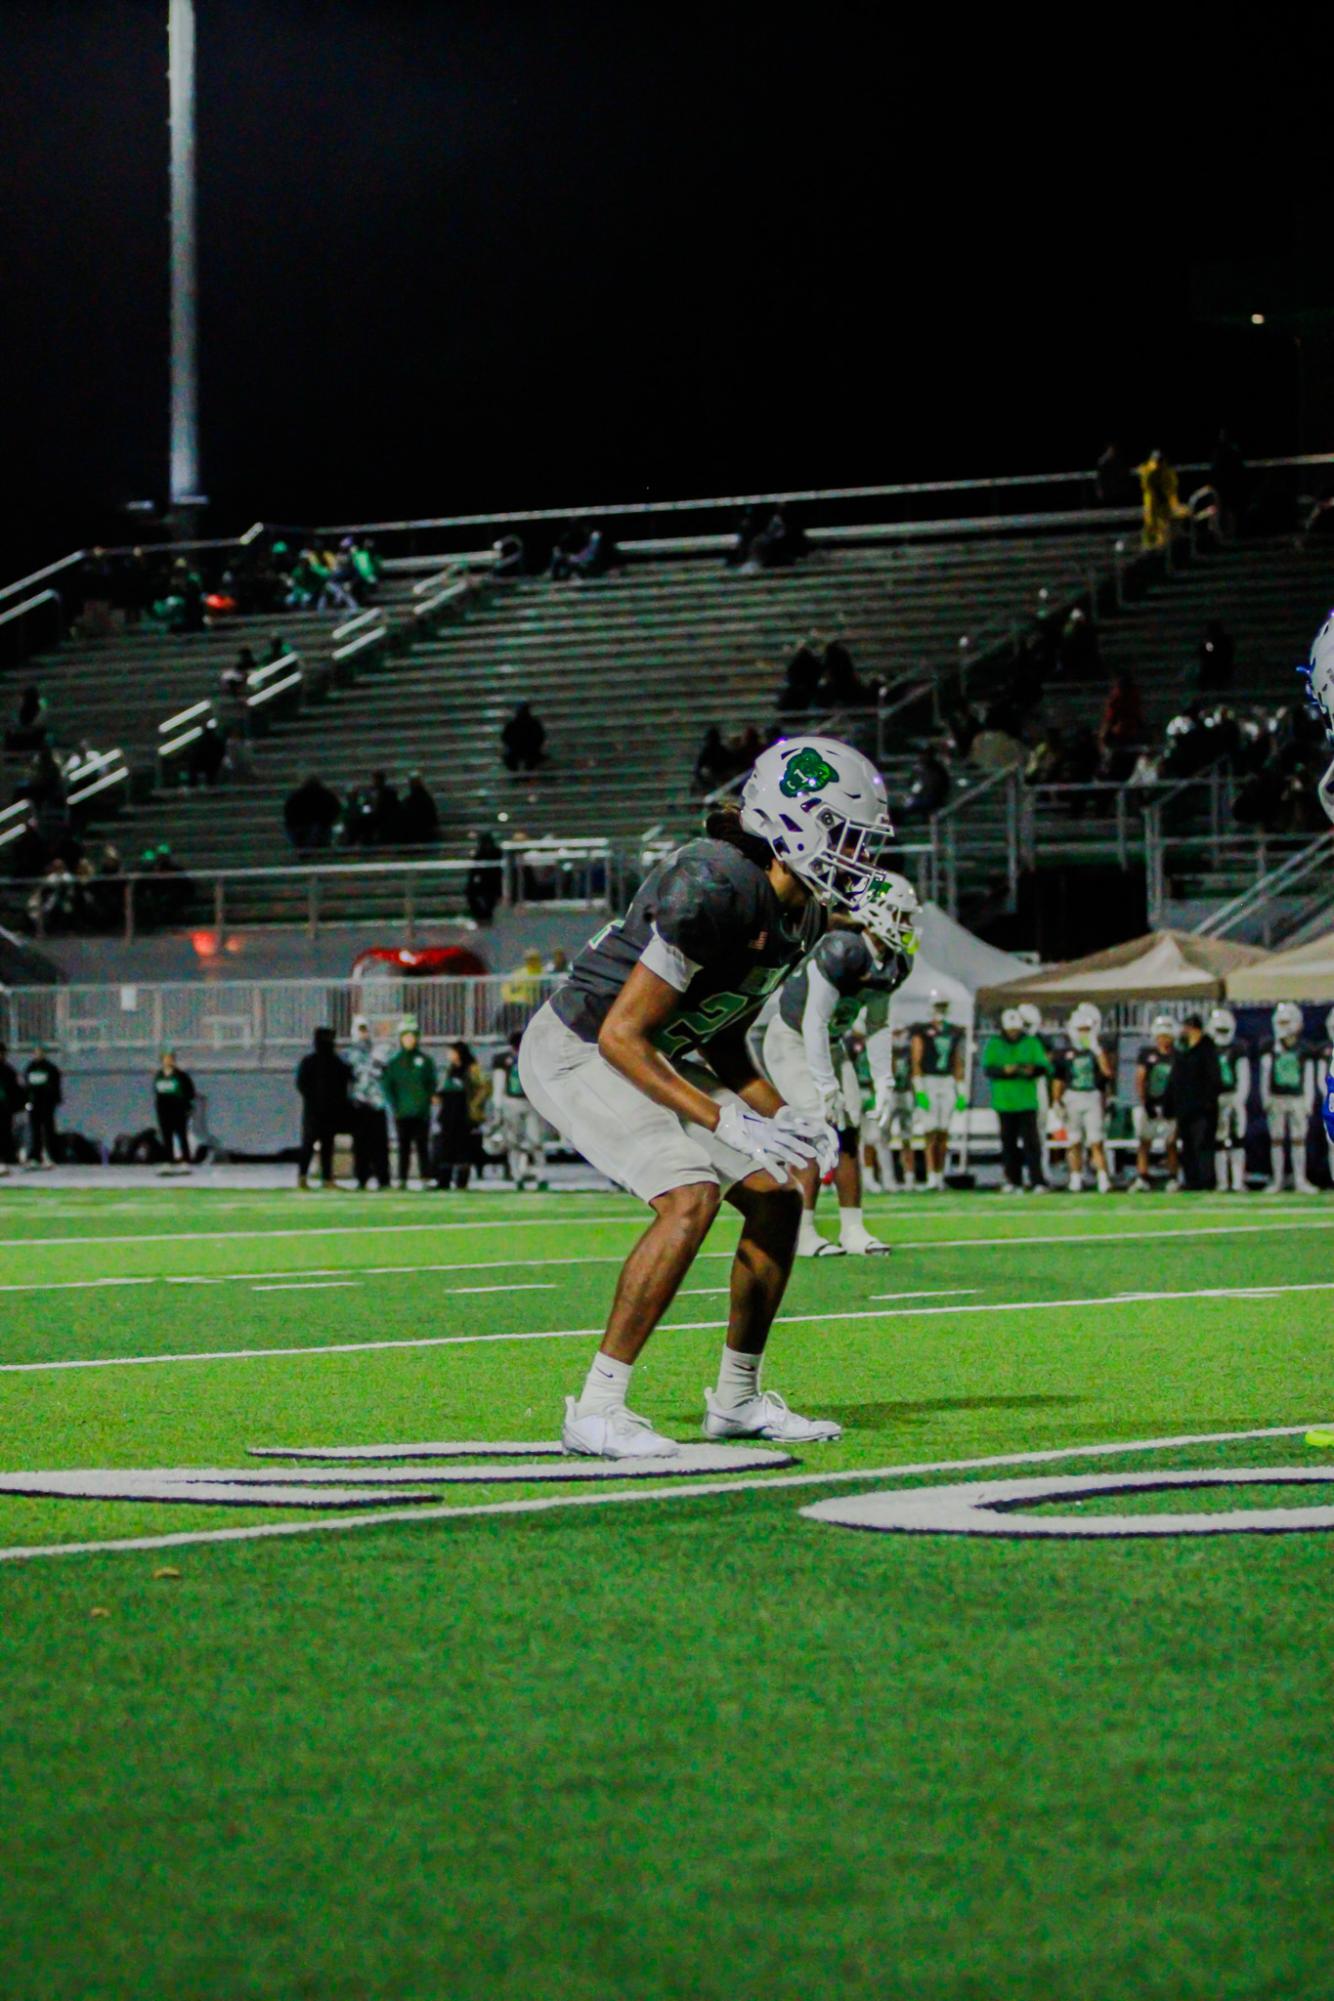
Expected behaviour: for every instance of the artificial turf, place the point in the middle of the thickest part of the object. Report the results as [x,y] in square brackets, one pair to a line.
[696,1745]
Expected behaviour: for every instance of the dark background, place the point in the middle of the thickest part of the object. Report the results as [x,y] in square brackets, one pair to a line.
[460,256]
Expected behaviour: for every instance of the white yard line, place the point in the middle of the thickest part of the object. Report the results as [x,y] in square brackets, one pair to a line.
[612,1257]
[461,1291]
[827,1318]
[304,1285]
[625,1496]
[555,1221]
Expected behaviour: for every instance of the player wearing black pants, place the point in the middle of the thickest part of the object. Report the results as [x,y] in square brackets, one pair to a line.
[1020,1148]
[174,1099]
[42,1085]
[322,1079]
[1197,1086]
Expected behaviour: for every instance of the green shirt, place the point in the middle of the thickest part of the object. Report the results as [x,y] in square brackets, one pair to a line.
[1015,1094]
[409,1084]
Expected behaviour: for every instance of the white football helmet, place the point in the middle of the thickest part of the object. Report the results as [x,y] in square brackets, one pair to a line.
[1012,1021]
[1163,1024]
[823,809]
[940,1003]
[1031,1015]
[1084,1024]
[1222,1027]
[887,907]
[1318,674]
[1287,1020]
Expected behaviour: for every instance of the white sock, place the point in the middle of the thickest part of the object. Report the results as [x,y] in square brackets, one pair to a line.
[808,1235]
[850,1223]
[605,1386]
[738,1377]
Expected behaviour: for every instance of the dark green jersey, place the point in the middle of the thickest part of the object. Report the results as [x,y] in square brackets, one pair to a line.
[940,1040]
[1079,1070]
[860,980]
[1230,1061]
[42,1080]
[1157,1067]
[1287,1077]
[709,923]
[174,1087]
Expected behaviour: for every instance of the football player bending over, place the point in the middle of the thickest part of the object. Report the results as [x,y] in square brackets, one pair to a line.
[1319,676]
[640,1061]
[853,970]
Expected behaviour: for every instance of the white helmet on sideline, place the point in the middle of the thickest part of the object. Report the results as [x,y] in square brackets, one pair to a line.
[1319,676]
[1222,1026]
[823,809]
[1084,1024]
[939,1003]
[1287,1020]
[887,907]
[1012,1021]
[1163,1024]
[1031,1015]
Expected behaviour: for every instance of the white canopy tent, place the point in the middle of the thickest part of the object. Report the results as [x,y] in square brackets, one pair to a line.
[1305,973]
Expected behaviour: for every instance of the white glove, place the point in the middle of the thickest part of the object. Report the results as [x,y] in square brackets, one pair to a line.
[820,1133]
[832,1109]
[884,1105]
[771,1146]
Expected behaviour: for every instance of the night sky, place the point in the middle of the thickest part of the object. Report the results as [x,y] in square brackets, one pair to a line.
[460,255]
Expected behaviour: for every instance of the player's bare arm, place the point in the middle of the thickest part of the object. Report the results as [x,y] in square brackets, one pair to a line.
[647,1003]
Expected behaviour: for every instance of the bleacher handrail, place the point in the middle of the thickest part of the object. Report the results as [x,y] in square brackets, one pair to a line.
[1283,877]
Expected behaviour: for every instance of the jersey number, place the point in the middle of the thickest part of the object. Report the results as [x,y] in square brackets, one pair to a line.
[702,1022]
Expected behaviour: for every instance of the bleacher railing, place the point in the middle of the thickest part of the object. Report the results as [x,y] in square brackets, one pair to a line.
[259,1023]
[1265,904]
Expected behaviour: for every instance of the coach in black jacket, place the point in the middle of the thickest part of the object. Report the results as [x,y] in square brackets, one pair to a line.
[1197,1085]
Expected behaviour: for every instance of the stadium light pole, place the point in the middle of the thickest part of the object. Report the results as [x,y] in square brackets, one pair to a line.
[184,467]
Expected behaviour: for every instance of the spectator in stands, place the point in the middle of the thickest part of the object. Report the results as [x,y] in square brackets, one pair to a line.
[370,1124]
[28,853]
[44,1091]
[523,740]
[780,543]
[278,650]
[310,814]
[1187,748]
[174,1100]
[997,745]
[558,965]
[385,811]
[571,543]
[51,906]
[1046,761]
[509,555]
[485,880]
[962,723]
[713,764]
[366,563]
[208,754]
[841,686]
[1229,479]
[1158,492]
[744,750]
[1123,731]
[235,678]
[44,781]
[598,557]
[801,679]
[930,787]
[410,1083]
[28,731]
[106,893]
[11,1104]
[1077,647]
[1113,481]
[1217,659]
[323,1081]
[419,822]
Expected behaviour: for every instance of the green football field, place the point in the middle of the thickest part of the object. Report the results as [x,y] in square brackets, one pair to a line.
[349,1727]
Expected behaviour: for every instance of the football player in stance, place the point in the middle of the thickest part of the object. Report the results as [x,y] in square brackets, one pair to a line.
[1318,673]
[1154,1125]
[938,1085]
[1235,1066]
[521,1128]
[640,1061]
[1287,1092]
[853,969]
[1083,1076]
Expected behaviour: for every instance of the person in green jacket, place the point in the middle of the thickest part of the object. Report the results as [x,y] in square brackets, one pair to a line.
[409,1083]
[1014,1060]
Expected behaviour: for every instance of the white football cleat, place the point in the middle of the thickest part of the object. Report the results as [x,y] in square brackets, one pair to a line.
[1076,1184]
[861,1244]
[1139,1186]
[612,1434]
[766,1415]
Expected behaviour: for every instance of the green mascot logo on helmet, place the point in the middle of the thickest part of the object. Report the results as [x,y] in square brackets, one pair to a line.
[807,772]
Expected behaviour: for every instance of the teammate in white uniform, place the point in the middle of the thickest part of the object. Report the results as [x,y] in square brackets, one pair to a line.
[1083,1076]
[1235,1066]
[520,1124]
[1287,1092]
[640,1061]
[938,1083]
[852,972]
